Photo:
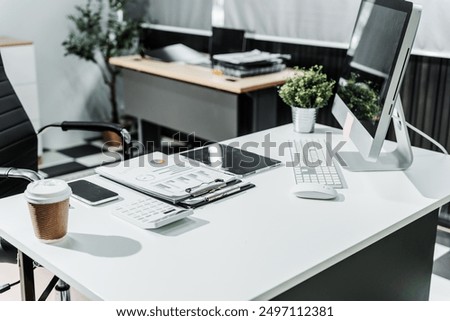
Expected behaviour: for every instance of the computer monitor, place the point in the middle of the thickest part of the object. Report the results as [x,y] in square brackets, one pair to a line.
[367,98]
[226,40]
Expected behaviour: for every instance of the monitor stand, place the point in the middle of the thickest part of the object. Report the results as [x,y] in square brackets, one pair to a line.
[399,159]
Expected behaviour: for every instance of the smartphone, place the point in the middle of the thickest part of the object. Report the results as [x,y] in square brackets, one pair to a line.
[91,193]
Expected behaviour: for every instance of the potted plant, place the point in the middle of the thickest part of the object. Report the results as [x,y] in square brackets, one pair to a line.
[362,99]
[101,32]
[306,91]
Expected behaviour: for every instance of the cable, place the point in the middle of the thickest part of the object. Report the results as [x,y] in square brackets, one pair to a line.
[421,133]
[48,126]
[8,286]
[431,140]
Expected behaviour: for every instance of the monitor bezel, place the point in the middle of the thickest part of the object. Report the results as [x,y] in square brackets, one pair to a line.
[370,146]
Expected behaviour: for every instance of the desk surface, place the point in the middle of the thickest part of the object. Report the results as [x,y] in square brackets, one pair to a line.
[254,245]
[201,75]
[10,42]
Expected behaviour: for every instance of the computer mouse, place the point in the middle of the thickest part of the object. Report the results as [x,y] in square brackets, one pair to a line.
[314,191]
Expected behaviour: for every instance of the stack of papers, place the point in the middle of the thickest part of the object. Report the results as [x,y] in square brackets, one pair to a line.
[249,63]
[178,53]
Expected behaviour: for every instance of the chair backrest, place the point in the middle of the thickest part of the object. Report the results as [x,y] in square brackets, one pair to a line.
[18,140]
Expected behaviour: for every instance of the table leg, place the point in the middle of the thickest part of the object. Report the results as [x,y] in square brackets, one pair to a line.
[264,109]
[64,291]
[26,277]
[150,136]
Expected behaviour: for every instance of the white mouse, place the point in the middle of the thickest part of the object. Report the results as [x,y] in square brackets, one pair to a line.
[314,191]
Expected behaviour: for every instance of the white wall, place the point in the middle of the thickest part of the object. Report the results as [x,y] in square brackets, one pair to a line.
[194,14]
[315,22]
[322,20]
[69,89]
[332,21]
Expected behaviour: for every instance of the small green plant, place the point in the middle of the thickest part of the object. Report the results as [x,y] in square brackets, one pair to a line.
[100,33]
[361,98]
[307,88]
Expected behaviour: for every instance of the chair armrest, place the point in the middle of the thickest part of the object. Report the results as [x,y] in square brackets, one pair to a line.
[26,174]
[96,127]
[92,126]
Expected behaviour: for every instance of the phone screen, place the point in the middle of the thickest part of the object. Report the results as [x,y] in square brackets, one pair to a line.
[91,193]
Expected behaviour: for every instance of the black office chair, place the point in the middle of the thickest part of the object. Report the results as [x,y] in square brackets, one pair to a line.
[18,149]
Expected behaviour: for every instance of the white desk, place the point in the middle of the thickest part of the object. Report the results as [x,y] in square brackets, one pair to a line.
[258,244]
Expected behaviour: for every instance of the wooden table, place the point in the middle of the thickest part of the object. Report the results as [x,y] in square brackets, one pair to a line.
[195,99]
[11,42]
[200,75]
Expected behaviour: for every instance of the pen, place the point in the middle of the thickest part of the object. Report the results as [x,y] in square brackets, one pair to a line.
[203,190]
[216,195]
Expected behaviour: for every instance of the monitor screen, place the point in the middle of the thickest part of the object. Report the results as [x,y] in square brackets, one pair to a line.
[372,73]
[225,40]
[371,58]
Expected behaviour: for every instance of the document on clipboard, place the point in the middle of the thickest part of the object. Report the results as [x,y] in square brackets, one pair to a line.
[173,179]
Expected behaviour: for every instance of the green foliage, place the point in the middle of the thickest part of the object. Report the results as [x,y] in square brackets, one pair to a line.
[361,98]
[308,88]
[96,31]
[98,35]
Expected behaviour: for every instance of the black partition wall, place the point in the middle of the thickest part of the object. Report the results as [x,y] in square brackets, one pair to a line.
[424,90]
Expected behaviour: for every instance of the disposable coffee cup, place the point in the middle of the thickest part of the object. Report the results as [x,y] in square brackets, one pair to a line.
[48,202]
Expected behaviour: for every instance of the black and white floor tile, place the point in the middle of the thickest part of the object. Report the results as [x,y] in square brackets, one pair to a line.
[80,160]
[77,160]
[440,280]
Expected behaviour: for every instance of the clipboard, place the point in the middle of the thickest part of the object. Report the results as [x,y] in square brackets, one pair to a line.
[216,194]
[170,179]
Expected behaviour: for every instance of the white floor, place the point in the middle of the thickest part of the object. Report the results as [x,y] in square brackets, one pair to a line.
[440,287]
[9,274]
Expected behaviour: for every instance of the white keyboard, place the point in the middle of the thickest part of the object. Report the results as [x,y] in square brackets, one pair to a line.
[315,168]
[150,213]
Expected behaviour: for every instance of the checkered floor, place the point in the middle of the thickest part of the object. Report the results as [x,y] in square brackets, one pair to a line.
[80,159]
[440,282]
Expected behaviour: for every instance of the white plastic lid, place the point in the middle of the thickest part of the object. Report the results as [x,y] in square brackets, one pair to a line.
[47,191]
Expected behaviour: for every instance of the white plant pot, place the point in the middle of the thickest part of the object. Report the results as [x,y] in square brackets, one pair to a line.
[304,119]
